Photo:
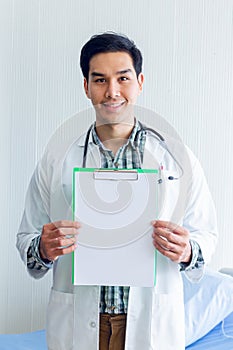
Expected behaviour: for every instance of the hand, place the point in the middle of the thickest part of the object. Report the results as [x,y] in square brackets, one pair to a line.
[172,241]
[54,241]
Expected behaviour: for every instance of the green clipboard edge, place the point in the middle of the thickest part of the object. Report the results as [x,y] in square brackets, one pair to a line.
[88,170]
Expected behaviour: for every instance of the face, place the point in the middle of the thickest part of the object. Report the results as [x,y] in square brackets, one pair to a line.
[113,87]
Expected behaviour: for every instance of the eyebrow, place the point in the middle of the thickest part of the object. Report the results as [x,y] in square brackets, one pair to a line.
[124,71]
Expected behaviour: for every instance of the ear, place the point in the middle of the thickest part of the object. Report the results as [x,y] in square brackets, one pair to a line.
[140,82]
[85,84]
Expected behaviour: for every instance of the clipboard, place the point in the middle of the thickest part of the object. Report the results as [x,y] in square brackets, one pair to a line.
[115,209]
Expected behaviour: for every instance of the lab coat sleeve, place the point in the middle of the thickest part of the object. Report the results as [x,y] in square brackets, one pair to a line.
[200,217]
[34,217]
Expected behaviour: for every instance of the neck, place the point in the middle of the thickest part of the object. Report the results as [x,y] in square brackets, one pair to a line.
[113,136]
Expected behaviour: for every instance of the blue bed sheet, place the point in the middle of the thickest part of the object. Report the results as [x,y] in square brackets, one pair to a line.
[25,341]
[219,338]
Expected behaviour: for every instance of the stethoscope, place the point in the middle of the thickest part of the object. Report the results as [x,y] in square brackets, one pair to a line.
[145,129]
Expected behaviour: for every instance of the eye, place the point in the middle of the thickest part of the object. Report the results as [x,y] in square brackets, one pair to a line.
[100,80]
[124,78]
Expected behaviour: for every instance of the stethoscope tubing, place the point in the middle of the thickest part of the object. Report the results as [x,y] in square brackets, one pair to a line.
[143,128]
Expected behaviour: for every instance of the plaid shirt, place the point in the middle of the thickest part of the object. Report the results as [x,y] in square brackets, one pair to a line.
[114,299]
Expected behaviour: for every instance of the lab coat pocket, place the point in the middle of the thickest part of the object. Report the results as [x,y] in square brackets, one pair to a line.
[60,321]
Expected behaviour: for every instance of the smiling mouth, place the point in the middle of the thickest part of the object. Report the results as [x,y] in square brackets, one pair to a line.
[113,106]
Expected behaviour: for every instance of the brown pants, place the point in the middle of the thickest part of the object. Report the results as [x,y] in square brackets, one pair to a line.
[112,332]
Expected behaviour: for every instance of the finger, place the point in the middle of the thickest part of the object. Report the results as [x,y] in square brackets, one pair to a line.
[169,254]
[60,242]
[62,224]
[54,253]
[168,235]
[169,226]
[166,245]
[59,232]
[63,251]
[65,231]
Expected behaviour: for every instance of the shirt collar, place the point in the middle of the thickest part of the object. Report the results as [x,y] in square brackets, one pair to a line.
[131,138]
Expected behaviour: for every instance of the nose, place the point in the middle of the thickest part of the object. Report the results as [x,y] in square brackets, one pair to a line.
[113,90]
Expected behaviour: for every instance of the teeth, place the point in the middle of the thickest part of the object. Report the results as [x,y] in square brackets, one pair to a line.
[113,104]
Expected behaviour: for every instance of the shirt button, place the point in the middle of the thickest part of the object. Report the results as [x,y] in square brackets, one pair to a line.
[93,324]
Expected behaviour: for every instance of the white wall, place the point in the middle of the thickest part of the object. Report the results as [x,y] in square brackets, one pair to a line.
[188,55]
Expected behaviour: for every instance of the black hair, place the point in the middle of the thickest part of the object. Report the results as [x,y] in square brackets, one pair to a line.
[109,42]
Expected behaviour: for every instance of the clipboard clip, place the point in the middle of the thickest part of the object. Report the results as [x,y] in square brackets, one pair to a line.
[115,175]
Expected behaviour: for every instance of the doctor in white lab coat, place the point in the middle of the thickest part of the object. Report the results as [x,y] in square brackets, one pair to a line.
[155,316]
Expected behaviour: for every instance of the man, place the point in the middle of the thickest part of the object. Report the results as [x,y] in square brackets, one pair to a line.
[108,317]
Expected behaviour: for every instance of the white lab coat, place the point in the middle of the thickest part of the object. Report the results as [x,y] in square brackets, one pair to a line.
[155,318]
